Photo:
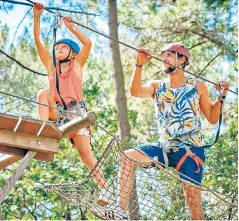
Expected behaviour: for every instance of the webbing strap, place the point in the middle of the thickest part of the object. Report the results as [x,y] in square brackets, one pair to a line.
[57,77]
[217,135]
[58,91]
[195,158]
[165,157]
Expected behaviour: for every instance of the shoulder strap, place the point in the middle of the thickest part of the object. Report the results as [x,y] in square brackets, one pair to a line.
[58,91]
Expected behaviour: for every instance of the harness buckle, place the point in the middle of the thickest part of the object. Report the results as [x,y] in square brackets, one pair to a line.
[171,149]
[192,155]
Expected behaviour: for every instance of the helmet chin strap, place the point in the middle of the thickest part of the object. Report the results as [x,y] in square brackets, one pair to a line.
[174,69]
[64,60]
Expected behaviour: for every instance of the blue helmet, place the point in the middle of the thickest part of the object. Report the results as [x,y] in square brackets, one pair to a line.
[73,45]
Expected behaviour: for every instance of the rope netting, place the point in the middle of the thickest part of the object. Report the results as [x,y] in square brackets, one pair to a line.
[157,193]
[153,193]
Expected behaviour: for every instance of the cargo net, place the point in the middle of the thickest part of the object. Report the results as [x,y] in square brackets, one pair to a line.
[154,193]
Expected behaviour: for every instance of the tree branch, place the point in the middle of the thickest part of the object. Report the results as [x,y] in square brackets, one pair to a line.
[24,203]
[19,26]
[200,43]
[210,35]
[35,72]
[209,63]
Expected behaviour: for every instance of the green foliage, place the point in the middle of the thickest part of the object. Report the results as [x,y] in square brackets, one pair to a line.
[221,172]
[217,2]
[205,29]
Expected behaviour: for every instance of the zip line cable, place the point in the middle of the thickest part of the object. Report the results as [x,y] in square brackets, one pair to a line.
[19,63]
[51,8]
[120,42]
[31,101]
[129,46]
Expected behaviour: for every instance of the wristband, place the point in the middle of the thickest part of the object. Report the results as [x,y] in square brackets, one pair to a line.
[138,66]
[37,19]
[223,97]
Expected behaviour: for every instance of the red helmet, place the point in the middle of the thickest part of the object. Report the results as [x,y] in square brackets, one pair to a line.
[179,48]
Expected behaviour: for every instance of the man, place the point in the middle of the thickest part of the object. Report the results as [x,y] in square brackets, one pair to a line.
[179,101]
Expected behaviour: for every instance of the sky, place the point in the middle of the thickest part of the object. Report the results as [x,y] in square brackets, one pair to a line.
[13,17]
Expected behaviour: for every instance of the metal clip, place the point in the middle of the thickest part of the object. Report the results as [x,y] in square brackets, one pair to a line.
[56,25]
[58,20]
[222,88]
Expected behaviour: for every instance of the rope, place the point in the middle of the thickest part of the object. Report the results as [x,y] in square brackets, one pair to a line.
[19,63]
[19,171]
[83,195]
[76,189]
[71,112]
[35,102]
[159,191]
[82,189]
[53,8]
[35,181]
[110,134]
[113,136]
[158,163]
[134,48]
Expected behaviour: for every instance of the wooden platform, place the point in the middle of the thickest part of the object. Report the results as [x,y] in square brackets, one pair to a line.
[14,151]
[18,135]
[29,126]
[26,138]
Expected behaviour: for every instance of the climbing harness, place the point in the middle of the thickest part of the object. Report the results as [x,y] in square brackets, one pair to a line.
[73,110]
[189,153]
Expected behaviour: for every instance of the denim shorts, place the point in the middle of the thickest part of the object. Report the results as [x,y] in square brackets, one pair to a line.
[189,166]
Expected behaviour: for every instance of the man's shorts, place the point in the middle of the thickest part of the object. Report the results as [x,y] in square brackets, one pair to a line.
[189,166]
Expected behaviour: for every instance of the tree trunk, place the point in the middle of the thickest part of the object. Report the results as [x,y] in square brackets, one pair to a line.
[83,214]
[67,212]
[120,97]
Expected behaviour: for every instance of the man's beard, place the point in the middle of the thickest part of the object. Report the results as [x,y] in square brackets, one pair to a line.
[169,70]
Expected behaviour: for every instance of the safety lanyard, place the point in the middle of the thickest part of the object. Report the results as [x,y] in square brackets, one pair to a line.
[219,125]
[58,24]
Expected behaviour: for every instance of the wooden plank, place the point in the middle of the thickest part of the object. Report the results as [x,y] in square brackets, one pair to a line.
[8,160]
[28,141]
[78,123]
[22,152]
[30,126]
